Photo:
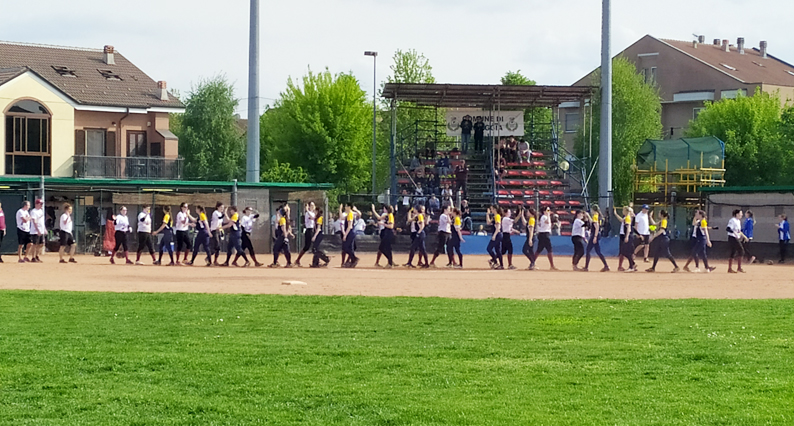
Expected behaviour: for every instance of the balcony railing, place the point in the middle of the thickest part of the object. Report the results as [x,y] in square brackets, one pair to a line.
[88,166]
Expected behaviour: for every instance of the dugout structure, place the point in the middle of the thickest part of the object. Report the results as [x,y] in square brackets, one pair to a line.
[673,172]
[766,203]
[94,200]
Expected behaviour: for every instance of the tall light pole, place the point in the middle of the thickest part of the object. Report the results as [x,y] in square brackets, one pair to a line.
[605,138]
[374,113]
[252,149]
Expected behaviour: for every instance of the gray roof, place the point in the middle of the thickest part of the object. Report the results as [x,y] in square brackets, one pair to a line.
[88,86]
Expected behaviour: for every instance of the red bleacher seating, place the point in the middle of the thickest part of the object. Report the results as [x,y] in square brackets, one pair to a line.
[556,183]
[542,183]
[543,193]
[563,213]
[504,202]
[575,203]
[538,164]
[565,223]
[502,192]
[545,203]
[527,173]
[529,193]
[517,193]
[514,172]
[558,193]
[559,203]
[518,202]
[540,173]
[536,154]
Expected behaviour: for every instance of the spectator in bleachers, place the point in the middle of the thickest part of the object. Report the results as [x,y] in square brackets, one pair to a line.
[479,133]
[440,164]
[415,163]
[430,148]
[446,196]
[433,206]
[420,173]
[511,150]
[481,231]
[431,184]
[461,175]
[445,168]
[419,199]
[556,225]
[466,215]
[465,133]
[524,153]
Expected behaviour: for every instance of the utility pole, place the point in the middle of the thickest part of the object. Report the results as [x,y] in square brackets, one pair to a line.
[252,149]
[374,115]
[605,138]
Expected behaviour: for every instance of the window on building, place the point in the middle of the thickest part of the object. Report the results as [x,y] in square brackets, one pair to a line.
[27,126]
[571,122]
[64,71]
[643,73]
[136,144]
[652,77]
[696,112]
[110,75]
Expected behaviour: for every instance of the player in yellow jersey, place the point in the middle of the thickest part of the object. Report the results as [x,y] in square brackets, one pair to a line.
[317,239]
[455,240]
[627,249]
[662,245]
[594,241]
[349,238]
[202,236]
[418,243]
[494,217]
[168,236]
[528,219]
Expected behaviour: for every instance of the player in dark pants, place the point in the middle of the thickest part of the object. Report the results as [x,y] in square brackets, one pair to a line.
[735,240]
[662,243]
[544,237]
[202,236]
[281,241]
[145,234]
[387,236]
[317,239]
[495,244]
[455,240]
[309,216]
[247,226]
[444,232]
[168,237]
[418,244]
[528,217]
[349,238]
[182,226]
[235,239]
[702,241]
[122,225]
[594,242]
[627,250]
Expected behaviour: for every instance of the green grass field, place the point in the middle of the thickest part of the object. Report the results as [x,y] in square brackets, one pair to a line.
[159,359]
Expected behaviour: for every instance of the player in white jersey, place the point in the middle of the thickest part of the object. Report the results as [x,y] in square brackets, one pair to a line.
[122,226]
[507,242]
[38,232]
[247,225]
[145,234]
[736,241]
[216,230]
[578,237]
[182,225]
[444,232]
[23,230]
[309,215]
[66,235]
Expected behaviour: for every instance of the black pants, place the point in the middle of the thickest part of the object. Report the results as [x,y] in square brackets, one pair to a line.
[418,245]
[507,244]
[318,253]
[165,243]
[737,249]
[215,242]
[528,252]
[349,245]
[597,247]
[202,240]
[281,246]
[478,142]
[145,240]
[783,250]
[578,248]
[747,253]
[700,252]
[121,241]
[661,246]
[544,243]
[386,240]
[247,244]
[628,251]
[441,246]
[454,247]
[308,234]
[183,241]
[495,249]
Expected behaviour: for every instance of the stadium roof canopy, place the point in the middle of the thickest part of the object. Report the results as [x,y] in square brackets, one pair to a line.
[151,185]
[485,95]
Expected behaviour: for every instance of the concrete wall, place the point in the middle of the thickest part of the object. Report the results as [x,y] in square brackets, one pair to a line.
[765,206]
[62,121]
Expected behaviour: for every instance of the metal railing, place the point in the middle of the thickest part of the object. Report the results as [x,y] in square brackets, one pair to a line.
[89,166]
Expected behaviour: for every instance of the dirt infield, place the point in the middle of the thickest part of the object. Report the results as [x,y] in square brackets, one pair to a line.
[476,281]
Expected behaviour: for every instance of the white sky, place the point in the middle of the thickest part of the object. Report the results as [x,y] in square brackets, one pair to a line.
[467,41]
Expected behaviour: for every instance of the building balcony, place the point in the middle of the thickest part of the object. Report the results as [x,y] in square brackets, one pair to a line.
[154,168]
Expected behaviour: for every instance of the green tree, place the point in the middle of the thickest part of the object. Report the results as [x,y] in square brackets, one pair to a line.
[757,132]
[209,138]
[636,116]
[323,127]
[284,172]
[537,121]
[414,124]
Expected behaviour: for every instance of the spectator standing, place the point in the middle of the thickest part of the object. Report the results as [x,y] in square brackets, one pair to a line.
[784,236]
[466,127]
[466,215]
[2,229]
[747,230]
[479,134]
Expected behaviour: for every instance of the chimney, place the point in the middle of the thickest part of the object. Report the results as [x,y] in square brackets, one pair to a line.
[725,46]
[109,56]
[163,90]
[694,44]
[763,49]
[716,42]
[740,45]
[701,39]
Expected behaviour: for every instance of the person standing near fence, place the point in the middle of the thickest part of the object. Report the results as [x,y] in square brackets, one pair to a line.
[784,236]
[594,241]
[65,234]
[747,230]
[202,236]
[578,235]
[23,231]
[182,226]
[2,229]
[662,246]
[309,216]
[38,232]
[735,240]
[168,237]
[121,225]
[317,239]
[466,127]
[145,238]
[216,230]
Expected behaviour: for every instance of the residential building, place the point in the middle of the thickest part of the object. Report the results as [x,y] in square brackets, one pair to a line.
[75,112]
[689,73]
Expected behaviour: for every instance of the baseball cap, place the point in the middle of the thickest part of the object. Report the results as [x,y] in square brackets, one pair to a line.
[39,201]
[645,207]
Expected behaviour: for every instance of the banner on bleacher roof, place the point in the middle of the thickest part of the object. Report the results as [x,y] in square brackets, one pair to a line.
[497,123]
